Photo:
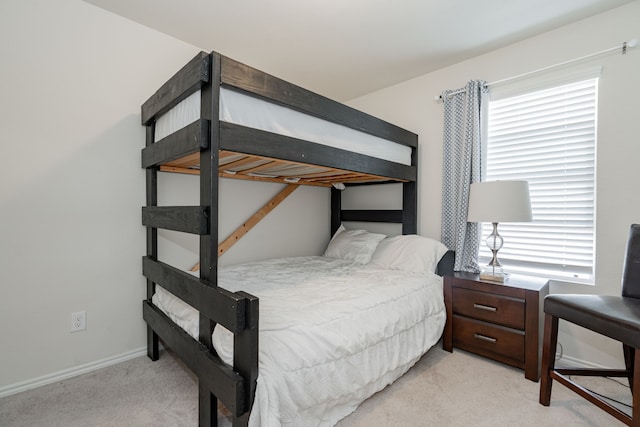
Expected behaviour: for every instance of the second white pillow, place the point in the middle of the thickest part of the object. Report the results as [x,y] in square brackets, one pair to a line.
[356,245]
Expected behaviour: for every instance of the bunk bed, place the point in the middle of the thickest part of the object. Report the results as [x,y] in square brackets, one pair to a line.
[197,123]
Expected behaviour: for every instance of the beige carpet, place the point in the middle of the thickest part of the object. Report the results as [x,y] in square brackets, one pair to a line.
[443,389]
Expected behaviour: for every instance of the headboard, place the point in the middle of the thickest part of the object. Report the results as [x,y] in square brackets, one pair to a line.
[445,266]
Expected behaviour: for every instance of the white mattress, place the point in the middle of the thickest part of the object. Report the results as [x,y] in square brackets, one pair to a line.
[332,333]
[249,111]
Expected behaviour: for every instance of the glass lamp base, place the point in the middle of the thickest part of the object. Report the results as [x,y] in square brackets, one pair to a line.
[494,274]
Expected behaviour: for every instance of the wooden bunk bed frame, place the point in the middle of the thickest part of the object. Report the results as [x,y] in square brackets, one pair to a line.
[205,144]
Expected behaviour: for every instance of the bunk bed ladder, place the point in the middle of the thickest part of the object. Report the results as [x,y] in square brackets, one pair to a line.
[233,386]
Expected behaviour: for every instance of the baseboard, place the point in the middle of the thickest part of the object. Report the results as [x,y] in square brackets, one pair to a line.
[103,363]
[71,372]
[566,361]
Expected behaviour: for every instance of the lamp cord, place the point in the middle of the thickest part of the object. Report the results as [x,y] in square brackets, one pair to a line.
[607,397]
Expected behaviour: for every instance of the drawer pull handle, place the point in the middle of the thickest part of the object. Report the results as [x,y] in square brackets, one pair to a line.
[484,307]
[484,338]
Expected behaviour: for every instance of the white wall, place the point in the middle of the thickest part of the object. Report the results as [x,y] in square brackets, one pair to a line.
[72,80]
[411,105]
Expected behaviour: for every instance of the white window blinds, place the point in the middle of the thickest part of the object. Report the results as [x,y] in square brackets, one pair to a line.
[547,137]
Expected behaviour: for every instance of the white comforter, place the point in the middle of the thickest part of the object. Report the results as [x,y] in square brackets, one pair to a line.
[332,333]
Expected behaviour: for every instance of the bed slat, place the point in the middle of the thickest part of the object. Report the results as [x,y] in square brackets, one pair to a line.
[184,171]
[185,82]
[190,139]
[185,165]
[227,385]
[188,219]
[258,178]
[223,307]
[265,85]
[260,143]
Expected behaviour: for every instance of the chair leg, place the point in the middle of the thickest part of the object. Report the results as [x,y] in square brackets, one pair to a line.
[629,355]
[635,412]
[549,344]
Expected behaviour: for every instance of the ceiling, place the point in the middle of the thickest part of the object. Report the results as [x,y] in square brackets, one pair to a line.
[347,48]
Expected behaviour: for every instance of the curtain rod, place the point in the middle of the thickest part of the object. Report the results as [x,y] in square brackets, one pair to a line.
[625,45]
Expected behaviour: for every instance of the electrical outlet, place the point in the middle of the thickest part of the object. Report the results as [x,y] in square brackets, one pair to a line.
[78,321]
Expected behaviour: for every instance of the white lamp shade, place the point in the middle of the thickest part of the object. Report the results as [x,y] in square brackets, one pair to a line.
[499,201]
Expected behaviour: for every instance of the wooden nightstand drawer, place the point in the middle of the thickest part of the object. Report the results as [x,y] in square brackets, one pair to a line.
[489,340]
[498,309]
[500,321]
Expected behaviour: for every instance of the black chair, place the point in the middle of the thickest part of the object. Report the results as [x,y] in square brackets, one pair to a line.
[617,317]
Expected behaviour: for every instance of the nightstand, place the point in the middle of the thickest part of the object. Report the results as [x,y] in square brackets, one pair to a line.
[500,321]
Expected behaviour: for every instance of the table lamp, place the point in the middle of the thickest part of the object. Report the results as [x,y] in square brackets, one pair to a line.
[494,202]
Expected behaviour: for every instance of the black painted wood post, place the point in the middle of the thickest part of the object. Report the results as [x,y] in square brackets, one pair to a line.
[152,240]
[336,210]
[209,111]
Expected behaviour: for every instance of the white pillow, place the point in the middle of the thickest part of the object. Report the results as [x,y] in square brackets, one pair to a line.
[356,245]
[411,253]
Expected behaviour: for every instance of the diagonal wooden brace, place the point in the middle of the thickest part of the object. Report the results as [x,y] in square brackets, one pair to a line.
[251,222]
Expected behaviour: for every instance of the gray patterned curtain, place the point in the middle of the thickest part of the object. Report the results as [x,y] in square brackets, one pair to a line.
[461,166]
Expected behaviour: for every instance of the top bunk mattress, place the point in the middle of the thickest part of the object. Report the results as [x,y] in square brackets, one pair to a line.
[256,113]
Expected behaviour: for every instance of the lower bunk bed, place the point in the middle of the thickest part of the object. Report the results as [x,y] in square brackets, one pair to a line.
[334,329]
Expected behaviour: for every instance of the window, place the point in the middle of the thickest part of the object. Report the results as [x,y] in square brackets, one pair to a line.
[547,137]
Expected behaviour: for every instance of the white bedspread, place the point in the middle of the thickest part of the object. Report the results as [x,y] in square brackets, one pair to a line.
[332,333]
